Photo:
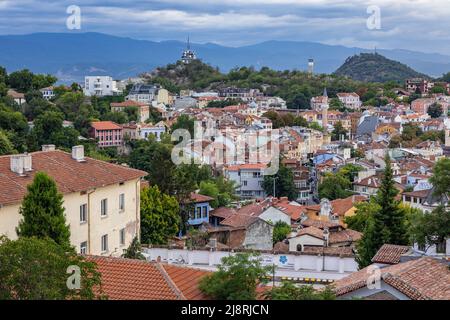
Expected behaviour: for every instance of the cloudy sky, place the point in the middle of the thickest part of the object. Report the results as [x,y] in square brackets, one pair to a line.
[422,25]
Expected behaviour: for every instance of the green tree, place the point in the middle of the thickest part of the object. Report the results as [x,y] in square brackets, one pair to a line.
[289,291]
[43,212]
[435,110]
[335,186]
[159,216]
[6,147]
[388,225]
[36,269]
[184,122]
[134,250]
[284,183]
[364,212]
[441,177]
[431,228]
[236,278]
[21,80]
[280,231]
[209,188]
[338,131]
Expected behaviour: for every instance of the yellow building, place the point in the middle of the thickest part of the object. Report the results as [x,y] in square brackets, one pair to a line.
[101,200]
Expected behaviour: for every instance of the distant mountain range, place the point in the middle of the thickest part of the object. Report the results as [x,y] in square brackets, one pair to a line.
[71,56]
[370,67]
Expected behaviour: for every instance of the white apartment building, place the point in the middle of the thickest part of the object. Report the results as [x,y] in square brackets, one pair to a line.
[100,86]
[350,100]
[248,179]
[101,200]
[47,93]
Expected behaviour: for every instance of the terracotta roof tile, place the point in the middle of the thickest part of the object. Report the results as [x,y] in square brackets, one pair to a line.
[187,280]
[105,125]
[69,175]
[127,279]
[390,254]
[421,279]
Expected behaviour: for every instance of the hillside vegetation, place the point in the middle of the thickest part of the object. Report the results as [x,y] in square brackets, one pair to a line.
[370,67]
[296,87]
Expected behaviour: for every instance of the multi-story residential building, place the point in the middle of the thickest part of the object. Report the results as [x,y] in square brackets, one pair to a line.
[248,179]
[320,102]
[148,93]
[414,84]
[101,200]
[47,93]
[107,133]
[301,180]
[100,86]
[143,109]
[147,129]
[350,100]
[244,94]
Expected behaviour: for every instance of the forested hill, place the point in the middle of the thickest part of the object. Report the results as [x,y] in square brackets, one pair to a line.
[370,67]
[296,87]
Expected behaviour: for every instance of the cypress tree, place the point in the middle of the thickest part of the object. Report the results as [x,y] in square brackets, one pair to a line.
[390,218]
[386,225]
[43,212]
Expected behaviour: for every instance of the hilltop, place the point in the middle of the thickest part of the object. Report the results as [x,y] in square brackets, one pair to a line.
[369,67]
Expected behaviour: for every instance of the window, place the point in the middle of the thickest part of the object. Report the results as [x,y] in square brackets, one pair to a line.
[122,237]
[105,243]
[83,213]
[104,207]
[122,202]
[83,247]
[199,212]
[244,183]
[205,212]
[192,215]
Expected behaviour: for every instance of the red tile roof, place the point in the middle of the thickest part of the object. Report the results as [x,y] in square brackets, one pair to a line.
[128,279]
[390,254]
[69,175]
[421,279]
[187,280]
[239,220]
[196,198]
[105,125]
[128,103]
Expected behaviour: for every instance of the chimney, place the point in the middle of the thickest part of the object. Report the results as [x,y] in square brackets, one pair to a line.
[48,147]
[20,163]
[78,153]
[326,236]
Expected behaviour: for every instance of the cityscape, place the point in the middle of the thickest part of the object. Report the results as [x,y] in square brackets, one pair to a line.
[197,176]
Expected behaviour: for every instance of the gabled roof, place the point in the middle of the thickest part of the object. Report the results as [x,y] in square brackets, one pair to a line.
[105,125]
[421,279]
[240,220]
[128,279]
[390,254]
[128,103]
[198,198]
[69,174]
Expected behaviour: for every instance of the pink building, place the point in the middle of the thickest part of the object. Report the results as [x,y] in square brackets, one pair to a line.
[107,133]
